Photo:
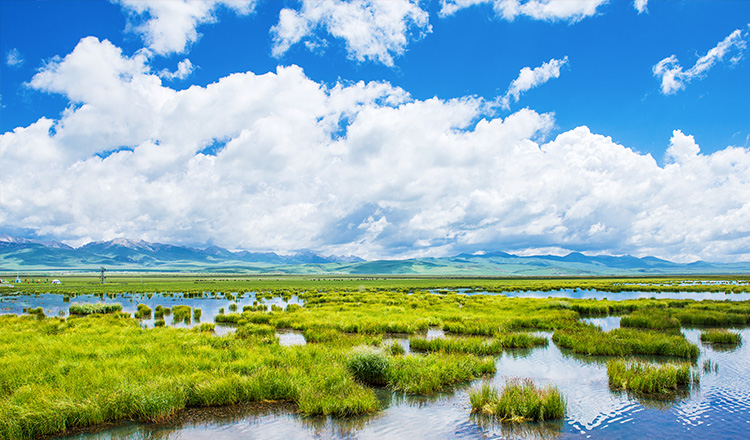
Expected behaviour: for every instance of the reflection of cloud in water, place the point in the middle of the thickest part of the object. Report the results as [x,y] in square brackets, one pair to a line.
[492,428]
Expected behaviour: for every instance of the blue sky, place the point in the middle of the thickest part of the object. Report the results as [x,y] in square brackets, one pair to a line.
[384,129]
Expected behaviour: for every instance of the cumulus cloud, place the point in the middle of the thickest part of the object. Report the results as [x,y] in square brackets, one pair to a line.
[184,69]
[674,77]
[13,58]
[170,26]
[529,78]
[641,6]
[351,168]
[372,30]
[550,10]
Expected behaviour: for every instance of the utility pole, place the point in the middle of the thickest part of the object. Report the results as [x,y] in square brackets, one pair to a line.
[103,269]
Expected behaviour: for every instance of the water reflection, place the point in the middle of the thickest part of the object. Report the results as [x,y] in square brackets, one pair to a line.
[288,338]
[606,324]
[615,296]
[492,428]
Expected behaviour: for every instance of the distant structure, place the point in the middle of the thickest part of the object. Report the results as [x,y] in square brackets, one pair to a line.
[56,282]
[102,276]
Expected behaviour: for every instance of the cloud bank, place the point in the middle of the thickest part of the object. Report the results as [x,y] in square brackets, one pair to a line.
[276,161]
[372,30]
[674,77]
[170,26]
[549,10]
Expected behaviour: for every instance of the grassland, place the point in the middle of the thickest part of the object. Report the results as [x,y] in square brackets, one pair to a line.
[58,374]
[149,283]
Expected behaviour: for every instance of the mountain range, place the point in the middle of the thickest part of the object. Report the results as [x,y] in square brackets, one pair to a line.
[22,254]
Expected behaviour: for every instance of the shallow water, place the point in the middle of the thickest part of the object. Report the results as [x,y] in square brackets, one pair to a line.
[718,408]
[617,296]
[54,305]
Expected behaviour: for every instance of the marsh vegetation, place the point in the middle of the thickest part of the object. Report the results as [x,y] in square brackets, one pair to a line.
[101,365]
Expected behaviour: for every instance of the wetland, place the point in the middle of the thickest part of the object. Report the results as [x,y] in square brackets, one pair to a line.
[373,358]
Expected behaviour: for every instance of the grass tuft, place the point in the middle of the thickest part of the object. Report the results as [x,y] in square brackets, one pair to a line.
[646,378]
[720,336]
[89,309]
[369,365]
[520,401]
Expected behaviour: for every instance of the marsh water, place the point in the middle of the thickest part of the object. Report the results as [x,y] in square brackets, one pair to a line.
[718,408]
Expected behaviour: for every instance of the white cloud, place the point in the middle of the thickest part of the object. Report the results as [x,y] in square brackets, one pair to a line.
[372,30]
[551,10]
[529,78]
[641,6]
[14,58]
[674,77]
[184,69]
[356,168]
[169,26]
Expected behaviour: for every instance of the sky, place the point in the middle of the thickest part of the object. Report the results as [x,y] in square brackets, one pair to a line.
[382,129]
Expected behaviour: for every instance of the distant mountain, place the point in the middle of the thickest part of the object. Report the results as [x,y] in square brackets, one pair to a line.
[19,254]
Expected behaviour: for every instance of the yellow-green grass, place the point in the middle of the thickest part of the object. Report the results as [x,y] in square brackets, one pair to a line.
[88,309]
[651,318]
[189,284]
[647,378]
[720,336]
[56,375]
[519,401]
[478,346]
[591,340]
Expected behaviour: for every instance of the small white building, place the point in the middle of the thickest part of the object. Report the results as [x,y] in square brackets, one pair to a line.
[56,282]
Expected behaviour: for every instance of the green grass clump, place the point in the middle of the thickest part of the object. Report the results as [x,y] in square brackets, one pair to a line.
[713,316]
[321,335]
[182,314]
[143,311]
[472,345]
[160,322]
[394,348]
[435,372]
[369,365]
[478,346]
[89,309]
[591,340]
[233,318]
[521,340]
[520,401]
[720,336]
[197,314]
[654,319]
[38,312]
[206,327]
[250,330]
[645,378]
